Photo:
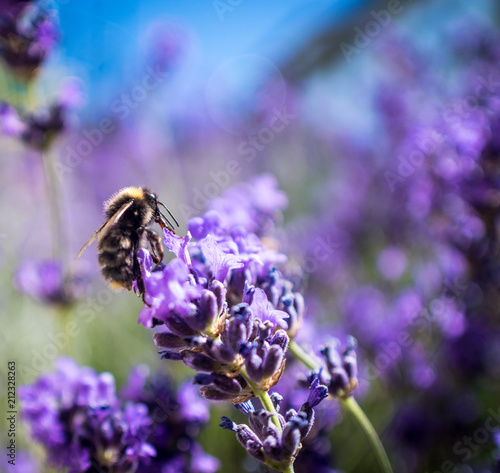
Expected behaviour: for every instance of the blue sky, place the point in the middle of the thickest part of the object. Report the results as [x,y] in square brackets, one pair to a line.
[101,38]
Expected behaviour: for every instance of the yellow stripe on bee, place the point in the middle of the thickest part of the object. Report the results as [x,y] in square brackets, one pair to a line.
[117,285]
[135,192]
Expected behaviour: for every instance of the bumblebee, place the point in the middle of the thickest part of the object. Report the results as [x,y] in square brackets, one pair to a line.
[129,214]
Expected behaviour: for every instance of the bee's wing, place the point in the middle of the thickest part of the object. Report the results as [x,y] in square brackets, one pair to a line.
[105,226]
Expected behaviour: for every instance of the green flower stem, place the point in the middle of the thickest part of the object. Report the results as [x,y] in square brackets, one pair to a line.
[352,406]
[267,404]
[63,316]
[298,352]
[30,95]
[53,195]
[264,398]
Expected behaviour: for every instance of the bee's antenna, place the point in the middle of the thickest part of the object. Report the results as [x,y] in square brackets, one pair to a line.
[168,221]
[170,213]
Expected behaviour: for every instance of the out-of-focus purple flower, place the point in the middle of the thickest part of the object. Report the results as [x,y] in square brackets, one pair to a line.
[177,417]
[166,44]
[255,206]
[44,125]
[28,33]
[75,415]
[391,263]
[71,94]
[10,121]
[45,282]
[39,128]
[21,461]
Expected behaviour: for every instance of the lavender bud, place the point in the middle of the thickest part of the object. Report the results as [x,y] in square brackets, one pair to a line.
[219,381]
[227,424]
[272,448]
[317,392]
[255,330]
[248,293]
[219,292]
[265,330]
[245,407]
[227,384]
[170,355]
[261,423]
[272,361]
[280,338]
[200,362]
[211,394]
[243,313]
[291,436]
[218,350]
[238,326]
[250,442]
[342,368]
[168,340]
[253,365]
[177,325]
[208,310]
[277,399]
[253,448]
[290,414]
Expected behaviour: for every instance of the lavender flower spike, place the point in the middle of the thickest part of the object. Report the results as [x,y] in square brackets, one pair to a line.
[264,441]
[342,369]
[28,33]
[76,416]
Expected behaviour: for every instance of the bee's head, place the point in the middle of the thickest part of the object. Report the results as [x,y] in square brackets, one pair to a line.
[152,200]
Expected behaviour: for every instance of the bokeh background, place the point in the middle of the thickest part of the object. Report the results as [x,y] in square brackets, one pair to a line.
[381,122]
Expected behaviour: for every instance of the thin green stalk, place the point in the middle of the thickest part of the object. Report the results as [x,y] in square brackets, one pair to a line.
[264,398]
[268,405]
[298,352]
[63,316]
[352,406]
[54,200]
[30,95]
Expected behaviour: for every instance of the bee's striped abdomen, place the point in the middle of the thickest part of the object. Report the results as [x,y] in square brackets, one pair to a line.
[116,258]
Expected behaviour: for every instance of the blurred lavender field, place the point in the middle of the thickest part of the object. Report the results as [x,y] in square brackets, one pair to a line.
[347,151]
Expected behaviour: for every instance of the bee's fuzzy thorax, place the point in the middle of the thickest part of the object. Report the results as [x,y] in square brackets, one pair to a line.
[123,195]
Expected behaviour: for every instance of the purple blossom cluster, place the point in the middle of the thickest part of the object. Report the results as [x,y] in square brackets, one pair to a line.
[224,308]
[28,33]
[84,426]
[45,282]
[268,443]
[75,414]
[38,129]
[223,304]
[177,417]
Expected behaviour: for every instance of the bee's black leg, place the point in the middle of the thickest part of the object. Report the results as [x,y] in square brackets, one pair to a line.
[136,268]
[156,246]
